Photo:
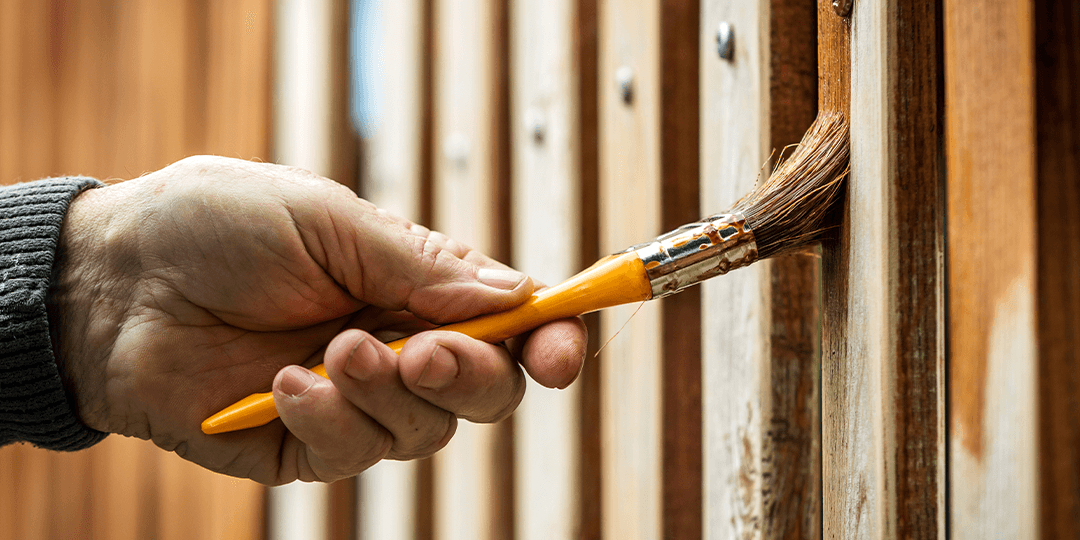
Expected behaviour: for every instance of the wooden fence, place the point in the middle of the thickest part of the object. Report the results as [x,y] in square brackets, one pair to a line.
[914,377]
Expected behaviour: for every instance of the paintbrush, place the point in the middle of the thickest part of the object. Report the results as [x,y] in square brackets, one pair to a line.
[782,214]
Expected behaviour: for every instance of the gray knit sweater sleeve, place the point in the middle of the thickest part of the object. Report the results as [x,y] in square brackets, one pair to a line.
[33,405]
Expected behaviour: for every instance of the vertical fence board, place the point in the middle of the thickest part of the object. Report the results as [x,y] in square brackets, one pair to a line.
[882,380]
[734,148]
[586,58]
[302,138]
[547,225]
[762,456]
[651,428]
[112,89]
[1057,109]
[466,193]
[388,491]
[680,394]
[916,279]
[630,213]
[992,336]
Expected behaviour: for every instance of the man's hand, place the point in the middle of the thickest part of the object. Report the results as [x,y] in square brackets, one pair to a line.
[191,287]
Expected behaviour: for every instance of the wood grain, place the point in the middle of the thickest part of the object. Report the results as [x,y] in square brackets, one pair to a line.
[761,338]
[681,334]
[630,212]
[990,142]
[546,238]
[586,58]
[883,364]
[1057,114]
[470,179]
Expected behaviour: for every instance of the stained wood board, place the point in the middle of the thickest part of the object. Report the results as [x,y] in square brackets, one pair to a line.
[1057,113]
[883,359]
[109,92]
[990,143]
[760,331]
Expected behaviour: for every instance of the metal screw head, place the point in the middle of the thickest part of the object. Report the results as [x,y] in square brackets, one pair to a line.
[624,79]
[843,7]
[536,123]
[456,149]
[725,41]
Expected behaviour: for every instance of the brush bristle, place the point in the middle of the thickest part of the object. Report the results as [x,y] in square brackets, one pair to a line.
[785,212]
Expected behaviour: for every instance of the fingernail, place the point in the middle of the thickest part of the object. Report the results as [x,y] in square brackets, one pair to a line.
[440,371]
[362,354]
[296,381]
[500,279]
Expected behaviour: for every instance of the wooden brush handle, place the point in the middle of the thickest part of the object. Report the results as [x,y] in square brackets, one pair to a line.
[618,279]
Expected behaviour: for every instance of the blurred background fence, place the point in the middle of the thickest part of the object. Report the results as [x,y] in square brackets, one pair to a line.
[800,398]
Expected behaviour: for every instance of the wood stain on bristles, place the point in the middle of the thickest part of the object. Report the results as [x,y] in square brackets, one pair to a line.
[786,211]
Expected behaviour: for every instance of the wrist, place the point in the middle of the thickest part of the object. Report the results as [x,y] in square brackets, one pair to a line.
[86,302]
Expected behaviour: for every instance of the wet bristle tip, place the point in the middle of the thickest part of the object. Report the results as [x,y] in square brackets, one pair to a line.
[786,211]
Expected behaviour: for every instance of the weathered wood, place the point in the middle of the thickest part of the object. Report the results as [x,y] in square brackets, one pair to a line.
[761,336]
[470,186]
[916,260]
[389,507]
[630,196]
[303,137]
[649,179]
[994,430]
[1057,114]
[883,362]
[546,190]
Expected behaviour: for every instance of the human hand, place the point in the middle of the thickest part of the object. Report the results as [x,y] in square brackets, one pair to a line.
[186,289]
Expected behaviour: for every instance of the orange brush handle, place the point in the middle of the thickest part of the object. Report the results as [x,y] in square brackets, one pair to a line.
[618,279]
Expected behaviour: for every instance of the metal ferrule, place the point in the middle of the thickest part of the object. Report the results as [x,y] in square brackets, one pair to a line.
[696,252]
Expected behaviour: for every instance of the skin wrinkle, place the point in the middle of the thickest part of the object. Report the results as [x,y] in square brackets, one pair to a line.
[204,315]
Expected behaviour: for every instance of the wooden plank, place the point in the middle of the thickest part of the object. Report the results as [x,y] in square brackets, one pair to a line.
[116,108]
[882,380]
[630,213]
[681,333]
[1057,113]
[992,288]
[651,400]
[762,351]
[468,203]
[303,138]
[586,59]
[391,180]
[546,191]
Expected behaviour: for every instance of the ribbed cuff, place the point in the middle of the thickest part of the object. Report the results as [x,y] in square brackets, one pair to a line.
[33,405]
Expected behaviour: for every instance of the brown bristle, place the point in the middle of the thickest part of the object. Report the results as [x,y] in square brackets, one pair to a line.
[785,212]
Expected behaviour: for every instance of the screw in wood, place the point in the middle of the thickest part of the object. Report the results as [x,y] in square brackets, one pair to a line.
[536,123]
[843,7]
[725,41]
[456,149]
[624,80]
